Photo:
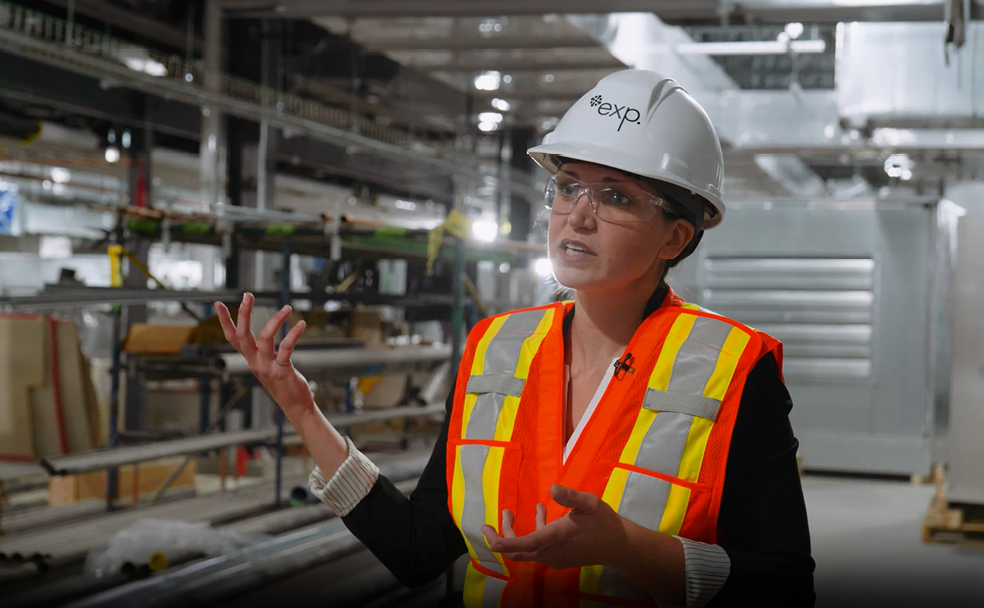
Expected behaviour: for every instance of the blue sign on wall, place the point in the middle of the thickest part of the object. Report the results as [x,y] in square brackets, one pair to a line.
[8,204]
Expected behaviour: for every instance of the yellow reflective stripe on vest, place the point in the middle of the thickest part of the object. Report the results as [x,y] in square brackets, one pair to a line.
[508,351]
[499,371]
[705,354]
[510,406]
[478,365]
[471,473]
[693,371]
[482,591]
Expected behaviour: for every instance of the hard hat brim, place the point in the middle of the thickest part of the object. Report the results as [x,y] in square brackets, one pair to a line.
[545,156]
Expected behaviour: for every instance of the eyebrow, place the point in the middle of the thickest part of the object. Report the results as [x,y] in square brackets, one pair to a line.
[606,180]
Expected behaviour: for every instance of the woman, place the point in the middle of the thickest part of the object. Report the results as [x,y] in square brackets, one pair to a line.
[622,449]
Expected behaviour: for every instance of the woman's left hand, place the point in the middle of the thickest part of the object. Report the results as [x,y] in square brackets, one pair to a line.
[590,534]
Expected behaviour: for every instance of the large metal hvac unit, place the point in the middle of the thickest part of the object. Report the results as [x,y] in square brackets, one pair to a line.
[846,287]
[965,457]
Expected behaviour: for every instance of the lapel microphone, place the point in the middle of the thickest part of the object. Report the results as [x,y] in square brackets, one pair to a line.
[622,365]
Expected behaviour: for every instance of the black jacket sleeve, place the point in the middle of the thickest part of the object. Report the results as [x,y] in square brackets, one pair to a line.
[414,537]
[762,523]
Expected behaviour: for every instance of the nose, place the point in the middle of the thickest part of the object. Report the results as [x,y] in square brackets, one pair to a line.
[583,215]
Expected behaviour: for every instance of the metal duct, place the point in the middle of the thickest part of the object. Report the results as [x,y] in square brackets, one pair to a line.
[894,72]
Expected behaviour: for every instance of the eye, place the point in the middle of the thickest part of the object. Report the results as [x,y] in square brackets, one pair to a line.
[567,188]
[615,198]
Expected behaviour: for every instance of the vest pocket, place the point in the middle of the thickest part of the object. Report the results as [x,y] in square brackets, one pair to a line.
[484,483]
[651,499]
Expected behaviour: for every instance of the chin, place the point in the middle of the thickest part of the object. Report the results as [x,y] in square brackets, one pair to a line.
[575,278]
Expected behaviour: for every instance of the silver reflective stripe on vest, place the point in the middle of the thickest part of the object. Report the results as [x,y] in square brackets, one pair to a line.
[642,503]
[493,591]
[698,356]
[473,458]
[499,365]
[692,369]
[682,403]
[662,447]
[503,384]
[484,416]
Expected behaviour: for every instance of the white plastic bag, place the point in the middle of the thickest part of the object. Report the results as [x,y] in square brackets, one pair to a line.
[155,544]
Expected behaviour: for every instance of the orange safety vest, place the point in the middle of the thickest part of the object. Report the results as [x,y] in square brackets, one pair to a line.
[655,448]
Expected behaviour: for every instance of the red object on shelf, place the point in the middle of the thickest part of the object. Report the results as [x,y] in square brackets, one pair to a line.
[241,458]
[56,381]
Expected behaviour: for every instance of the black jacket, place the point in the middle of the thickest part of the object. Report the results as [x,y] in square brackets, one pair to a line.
[762,522]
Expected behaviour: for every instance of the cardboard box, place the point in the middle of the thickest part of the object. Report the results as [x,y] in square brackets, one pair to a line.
[150,475]
[22,371]
[147,339]
[367,325]
[40,417]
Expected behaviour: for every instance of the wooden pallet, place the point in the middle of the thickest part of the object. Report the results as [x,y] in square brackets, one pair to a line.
[947,522]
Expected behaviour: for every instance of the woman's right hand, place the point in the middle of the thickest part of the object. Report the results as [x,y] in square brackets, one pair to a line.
[286,385]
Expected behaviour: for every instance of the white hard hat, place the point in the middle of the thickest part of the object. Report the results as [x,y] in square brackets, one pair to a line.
[644,123]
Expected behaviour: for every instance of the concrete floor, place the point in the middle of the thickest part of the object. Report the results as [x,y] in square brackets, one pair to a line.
[867,543]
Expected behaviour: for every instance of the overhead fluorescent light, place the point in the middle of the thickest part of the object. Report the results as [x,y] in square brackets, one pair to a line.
[490,117]
[488,81]
[765,47]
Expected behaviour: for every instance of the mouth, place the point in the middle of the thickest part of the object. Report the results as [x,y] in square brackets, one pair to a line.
[575,249]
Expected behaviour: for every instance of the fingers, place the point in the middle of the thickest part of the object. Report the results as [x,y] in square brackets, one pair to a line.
[286,348]
[228,327]
[572,499]
[265,340]
[507,524]
[523,557]
[491,536]
[247,343]
[530,543]
[541,516]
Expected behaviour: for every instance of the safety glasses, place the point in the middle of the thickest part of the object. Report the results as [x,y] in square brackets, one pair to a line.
[611,202]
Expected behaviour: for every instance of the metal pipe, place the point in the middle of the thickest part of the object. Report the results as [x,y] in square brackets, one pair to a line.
[104,459]
[212,581]
[343,358]
[279,413]
[116,262]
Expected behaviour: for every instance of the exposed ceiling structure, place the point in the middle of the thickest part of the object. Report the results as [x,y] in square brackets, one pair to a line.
[776,11]
[852,103]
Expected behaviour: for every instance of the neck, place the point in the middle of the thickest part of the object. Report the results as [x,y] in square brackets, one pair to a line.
[606,321]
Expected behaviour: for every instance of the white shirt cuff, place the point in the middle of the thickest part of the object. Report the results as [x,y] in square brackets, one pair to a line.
[349,485]
[707,567]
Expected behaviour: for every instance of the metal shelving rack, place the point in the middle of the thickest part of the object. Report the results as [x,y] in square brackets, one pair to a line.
[285,233]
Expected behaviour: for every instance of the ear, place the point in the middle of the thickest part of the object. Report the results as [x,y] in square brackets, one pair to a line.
[682,232]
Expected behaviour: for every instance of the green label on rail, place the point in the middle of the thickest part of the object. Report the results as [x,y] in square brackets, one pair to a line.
[142,226]
[280,230]
[196,228]
[391,232]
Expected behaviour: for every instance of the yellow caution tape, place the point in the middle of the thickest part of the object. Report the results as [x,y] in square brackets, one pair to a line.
[115,265]
[457,224]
